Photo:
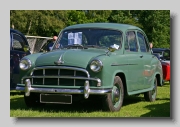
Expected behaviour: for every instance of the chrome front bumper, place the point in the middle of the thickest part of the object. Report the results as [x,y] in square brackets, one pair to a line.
[86,91]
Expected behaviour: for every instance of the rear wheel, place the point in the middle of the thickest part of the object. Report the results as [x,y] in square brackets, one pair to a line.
[114,100]
[151,95]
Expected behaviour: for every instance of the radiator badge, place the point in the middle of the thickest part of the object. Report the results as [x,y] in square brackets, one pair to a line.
[60,61]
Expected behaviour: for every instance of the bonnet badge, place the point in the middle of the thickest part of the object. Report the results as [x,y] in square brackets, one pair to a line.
[60,61]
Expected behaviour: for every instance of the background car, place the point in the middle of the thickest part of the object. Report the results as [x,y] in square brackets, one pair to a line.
[163,55]
[18,49]
[95,61]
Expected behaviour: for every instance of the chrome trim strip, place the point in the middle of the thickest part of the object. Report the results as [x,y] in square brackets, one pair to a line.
[86,89]
[65,91]
[116,64]
[65,77]
[27,87]
[74,79]
[43,75]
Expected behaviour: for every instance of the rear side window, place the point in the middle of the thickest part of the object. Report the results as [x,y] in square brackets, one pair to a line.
[142,42]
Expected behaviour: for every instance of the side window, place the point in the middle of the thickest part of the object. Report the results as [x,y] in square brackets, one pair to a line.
[131,42]
[18,42]
[142,42]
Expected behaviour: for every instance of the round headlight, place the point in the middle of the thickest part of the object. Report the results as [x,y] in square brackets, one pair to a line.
[25,64]
[96,65]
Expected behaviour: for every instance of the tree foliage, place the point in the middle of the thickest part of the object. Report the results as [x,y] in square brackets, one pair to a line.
[155,23]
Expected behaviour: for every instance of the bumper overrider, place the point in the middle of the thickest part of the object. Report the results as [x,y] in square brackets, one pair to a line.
[27,88]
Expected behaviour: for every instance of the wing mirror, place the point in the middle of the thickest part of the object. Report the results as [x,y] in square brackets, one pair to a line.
[113,48]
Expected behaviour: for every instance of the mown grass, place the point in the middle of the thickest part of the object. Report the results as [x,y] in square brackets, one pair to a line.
[133,106]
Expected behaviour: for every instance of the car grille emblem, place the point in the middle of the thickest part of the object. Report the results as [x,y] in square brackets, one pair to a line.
[60,61]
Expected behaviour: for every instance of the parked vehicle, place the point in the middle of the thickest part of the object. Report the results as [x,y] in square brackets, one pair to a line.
[18,49]
[106,61]
[163,55]
[45,45]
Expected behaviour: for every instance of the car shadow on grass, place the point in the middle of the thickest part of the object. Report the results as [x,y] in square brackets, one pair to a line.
[133,99]
[80,107]
[158,110]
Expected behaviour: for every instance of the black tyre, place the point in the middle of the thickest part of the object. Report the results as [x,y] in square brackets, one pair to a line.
[151,95]
[114,100]
[33,100]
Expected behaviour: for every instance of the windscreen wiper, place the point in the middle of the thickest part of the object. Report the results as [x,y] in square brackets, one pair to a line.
[74,46]
[93,46]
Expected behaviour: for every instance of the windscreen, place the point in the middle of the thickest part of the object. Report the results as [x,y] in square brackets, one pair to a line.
[97,38]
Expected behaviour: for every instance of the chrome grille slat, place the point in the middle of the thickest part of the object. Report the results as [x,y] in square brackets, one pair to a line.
[43,75]
[58,75]
[74,79]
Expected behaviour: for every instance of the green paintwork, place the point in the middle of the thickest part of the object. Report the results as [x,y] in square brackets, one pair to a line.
[69,57]
[139,72]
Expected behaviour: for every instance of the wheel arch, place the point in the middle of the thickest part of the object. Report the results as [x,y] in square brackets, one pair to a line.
[159,79]
[123,78]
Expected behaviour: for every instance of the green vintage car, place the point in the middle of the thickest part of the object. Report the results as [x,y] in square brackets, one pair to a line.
[96,61]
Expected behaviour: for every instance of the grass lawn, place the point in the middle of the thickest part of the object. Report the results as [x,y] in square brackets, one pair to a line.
[132,107]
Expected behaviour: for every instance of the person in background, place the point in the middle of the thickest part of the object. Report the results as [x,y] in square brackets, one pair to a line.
[151,46]
[50,45]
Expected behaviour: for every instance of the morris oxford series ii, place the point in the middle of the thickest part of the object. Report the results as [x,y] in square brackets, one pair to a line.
[106,61]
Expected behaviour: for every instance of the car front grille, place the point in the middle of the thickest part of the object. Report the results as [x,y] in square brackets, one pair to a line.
[59,76]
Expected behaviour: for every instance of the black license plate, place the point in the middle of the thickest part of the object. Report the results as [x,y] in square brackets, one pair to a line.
[56,98]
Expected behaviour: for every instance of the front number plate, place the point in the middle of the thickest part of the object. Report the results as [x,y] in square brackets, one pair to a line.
[56,98]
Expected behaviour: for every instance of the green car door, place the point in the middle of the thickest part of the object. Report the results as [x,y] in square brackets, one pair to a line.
[135,63]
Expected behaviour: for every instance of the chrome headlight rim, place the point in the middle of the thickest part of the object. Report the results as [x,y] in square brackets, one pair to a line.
[27,64]
[99,65]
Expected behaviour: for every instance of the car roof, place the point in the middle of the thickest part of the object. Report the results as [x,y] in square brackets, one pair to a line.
[117,26]
[15,31]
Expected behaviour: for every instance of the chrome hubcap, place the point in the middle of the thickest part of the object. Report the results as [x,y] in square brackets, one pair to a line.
[116,95]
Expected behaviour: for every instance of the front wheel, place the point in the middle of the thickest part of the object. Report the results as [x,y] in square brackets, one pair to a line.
[151,95]
[114,100]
